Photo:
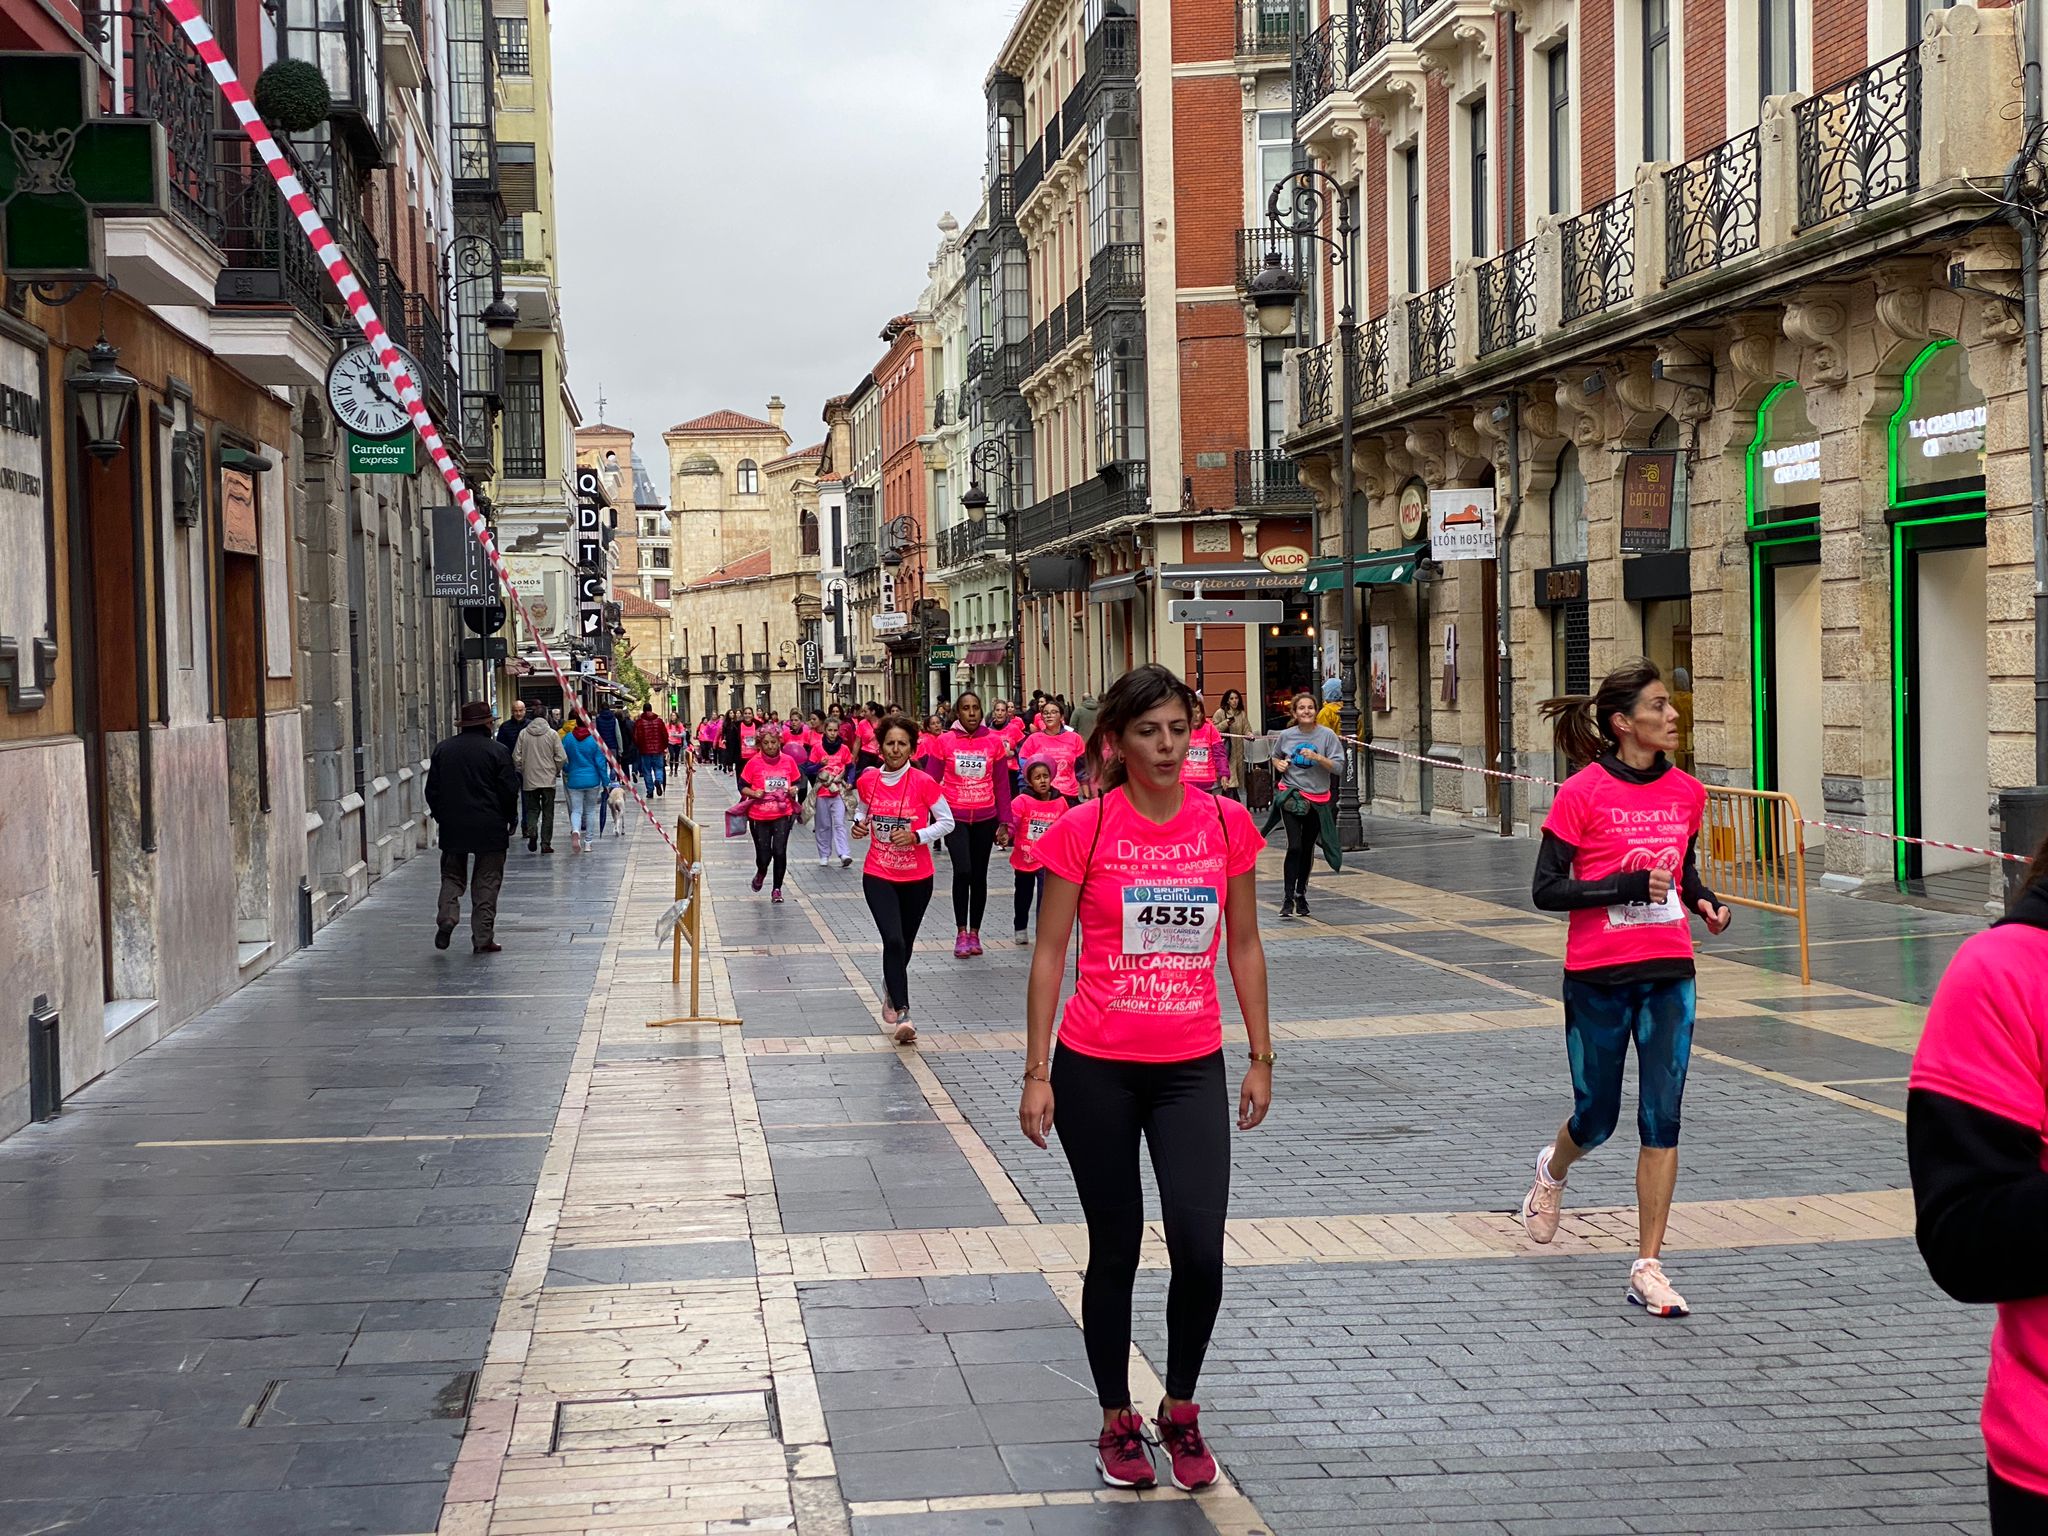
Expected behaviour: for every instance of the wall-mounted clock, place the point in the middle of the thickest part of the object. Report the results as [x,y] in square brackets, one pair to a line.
[362,396]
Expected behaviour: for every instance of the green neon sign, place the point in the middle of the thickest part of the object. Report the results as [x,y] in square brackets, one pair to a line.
[64,168]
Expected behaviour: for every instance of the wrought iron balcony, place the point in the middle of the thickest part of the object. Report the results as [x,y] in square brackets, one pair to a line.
[1002,200]
[165,80]
[760,661]
[1253,246]
[1507,299]
[1112,51]
[1315,65]
[732,662]
[1012,366]
[1077,314]
[1316,389]
[979,355]
[708,662]
[1040,335]
[862,558]
[1116,277]
[1122,490]
[1859,141]
[967,541]
[1432,332]
[1265,27]
[679,666]
[1030,172]
[1074,112]
[268,260]
[1320,388]
[1711,206]
[1371,361]
[1600,257]
[1266,477]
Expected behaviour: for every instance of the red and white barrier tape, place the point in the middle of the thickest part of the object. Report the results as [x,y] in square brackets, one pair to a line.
[1806,821]
[195,28]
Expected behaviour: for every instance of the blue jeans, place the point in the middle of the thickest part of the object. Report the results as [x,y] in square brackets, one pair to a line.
[653,770]
[1599,1022]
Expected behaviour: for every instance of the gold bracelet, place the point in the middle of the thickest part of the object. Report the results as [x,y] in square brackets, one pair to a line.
[1030,1079]
[1263,1059]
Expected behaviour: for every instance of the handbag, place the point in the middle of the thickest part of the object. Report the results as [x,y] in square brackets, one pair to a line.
[736,820]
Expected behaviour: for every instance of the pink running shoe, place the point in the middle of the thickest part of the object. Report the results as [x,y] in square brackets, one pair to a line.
[776,895]
[1189,1462]
[974,941]
[1648,1289]
[1543,1206]
[763,875]
[961,948]
[1120,1454]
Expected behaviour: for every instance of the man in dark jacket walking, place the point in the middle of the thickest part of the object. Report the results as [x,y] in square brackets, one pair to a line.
[473,793]
[508,733]
[650,740]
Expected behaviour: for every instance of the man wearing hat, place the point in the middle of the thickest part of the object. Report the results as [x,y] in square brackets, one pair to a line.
[473,793]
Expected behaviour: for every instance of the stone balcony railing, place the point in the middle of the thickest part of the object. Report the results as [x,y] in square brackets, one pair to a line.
[1880,159]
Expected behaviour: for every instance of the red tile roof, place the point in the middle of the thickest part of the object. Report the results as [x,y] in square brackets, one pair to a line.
[633,606]
[746,568]
[725,421]
[813,453]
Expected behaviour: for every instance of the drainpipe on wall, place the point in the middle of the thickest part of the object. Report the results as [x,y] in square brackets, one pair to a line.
[1509,223]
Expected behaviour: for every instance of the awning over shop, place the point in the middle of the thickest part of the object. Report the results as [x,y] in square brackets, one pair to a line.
[1228,577]
[1381,568]
[1114,589]
[988,653]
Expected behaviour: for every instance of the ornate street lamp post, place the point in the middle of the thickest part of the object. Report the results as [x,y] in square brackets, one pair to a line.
[472,256]
[991,457]
[1306,194]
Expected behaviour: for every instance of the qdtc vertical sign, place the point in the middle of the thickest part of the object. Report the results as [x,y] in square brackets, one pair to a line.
[592,576]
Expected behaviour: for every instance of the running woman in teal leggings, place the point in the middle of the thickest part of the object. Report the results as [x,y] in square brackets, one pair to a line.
[1618,855]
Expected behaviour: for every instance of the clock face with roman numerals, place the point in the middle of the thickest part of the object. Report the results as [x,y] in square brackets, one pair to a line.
[362,395]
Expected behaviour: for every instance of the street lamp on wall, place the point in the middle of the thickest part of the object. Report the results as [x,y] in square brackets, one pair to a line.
[472,256]
[991,458]
[105,391]
[1307,194]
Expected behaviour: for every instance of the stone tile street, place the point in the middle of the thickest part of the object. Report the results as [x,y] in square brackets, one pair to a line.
[396,1241]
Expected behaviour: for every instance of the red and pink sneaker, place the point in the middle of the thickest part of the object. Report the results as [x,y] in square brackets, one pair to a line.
[1190,1464]
[1120,1454]
[973,941]
[961,947]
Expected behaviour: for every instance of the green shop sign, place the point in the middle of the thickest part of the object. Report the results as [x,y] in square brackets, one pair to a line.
[944,655]
[383,455]
[64,168]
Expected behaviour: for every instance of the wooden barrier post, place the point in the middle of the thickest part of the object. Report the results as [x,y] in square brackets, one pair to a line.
[689,856]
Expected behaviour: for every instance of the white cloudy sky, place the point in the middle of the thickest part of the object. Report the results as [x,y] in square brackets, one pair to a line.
[749,189]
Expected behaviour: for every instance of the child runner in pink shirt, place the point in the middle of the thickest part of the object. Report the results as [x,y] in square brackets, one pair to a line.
[1032,815]
[1977,1141]
[834,758]
[1157,874]
[902,814]
[1618,854]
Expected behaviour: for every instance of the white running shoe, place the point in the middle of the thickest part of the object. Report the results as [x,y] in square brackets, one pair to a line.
[1543,1206]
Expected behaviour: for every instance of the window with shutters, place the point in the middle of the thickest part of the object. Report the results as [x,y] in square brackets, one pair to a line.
[518,179]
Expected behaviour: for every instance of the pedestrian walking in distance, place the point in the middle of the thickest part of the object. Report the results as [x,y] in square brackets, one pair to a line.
[540,756]
[473,796]
[1976,1130]
[1619,854]
[968,762]
[1308,759]
[586,775]
[902,813]
[508,733]
[769,785]
[650,740]
[1157,873]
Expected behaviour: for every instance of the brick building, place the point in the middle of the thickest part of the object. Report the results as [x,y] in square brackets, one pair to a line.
[1704,298]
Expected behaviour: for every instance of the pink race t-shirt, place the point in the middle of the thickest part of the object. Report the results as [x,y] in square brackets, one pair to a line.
[832,766]
[747,735]
[908,803]
[1618,827]
[968,766]
[1061,752]
[1151,913]
[1986,1043]
[864,736]
[1030,819]
[1012,732]
[777,778]
[1204,763]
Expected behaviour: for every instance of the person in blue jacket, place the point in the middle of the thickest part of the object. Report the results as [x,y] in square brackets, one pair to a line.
[586,775]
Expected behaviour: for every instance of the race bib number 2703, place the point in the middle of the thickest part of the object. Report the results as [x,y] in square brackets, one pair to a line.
[1170,919]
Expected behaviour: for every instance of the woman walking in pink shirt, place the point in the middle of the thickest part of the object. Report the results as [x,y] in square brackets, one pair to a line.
[1618,854]
[1977,1142]
[901,815]
[1157,874]
[1060,747]
[968,762]
[1204,765]
[770,783]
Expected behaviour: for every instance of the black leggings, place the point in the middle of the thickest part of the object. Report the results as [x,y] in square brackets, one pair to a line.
[771,845]
[1182,1108]
[2015,1511]
[969,845]
[1301,851]
[898,906]
[1029,883]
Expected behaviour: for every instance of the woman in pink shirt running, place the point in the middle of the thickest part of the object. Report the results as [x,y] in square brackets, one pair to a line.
[770,784]
[1060,746]
[1619,854]
[1977,1143]
[1204,765]
[902,813]
[1156,874]
[968,762]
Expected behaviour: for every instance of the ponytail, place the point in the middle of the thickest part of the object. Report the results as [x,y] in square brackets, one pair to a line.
[1580,723]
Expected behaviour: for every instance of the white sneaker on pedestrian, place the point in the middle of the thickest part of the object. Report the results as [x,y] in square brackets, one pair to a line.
[823,862]
[1648,1289]
[1543,1206]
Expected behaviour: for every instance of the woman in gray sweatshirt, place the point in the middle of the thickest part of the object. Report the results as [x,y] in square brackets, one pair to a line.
[1307,758]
